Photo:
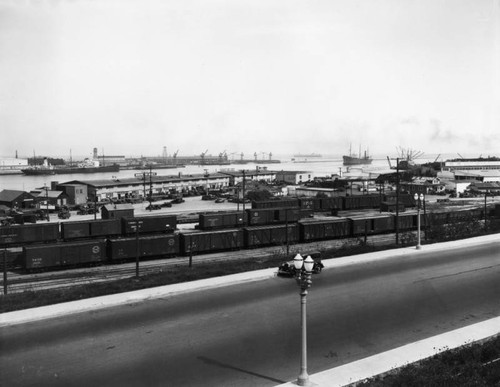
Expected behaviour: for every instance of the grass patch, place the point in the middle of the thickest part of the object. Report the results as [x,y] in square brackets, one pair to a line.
[472,365]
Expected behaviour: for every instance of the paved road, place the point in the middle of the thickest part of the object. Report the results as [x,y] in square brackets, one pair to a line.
[249,335]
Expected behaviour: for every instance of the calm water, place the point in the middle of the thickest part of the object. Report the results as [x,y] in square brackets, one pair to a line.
[320,167]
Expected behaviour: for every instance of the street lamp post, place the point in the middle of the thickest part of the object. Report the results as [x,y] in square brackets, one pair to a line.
[419,199]
[303,271]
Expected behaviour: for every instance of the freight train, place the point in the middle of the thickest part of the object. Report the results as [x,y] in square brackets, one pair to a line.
[65,244]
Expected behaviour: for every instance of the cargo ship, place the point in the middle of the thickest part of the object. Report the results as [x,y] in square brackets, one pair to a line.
[352,159]
[86,167]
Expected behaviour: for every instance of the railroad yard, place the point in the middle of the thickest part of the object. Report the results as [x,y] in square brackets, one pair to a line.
[188,224]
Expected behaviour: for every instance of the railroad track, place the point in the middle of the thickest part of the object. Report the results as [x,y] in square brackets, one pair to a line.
[20,282]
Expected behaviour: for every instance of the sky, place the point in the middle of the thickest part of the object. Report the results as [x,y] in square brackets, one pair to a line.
[133,76]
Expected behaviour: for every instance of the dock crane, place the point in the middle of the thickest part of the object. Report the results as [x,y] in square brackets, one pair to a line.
[175,156]
[270,155]
[222,156]
[255,156]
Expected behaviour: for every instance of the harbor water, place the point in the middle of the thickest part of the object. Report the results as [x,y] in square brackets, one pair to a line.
[319,167]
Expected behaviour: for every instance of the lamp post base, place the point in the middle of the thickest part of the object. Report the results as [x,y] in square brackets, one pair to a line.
[303,380]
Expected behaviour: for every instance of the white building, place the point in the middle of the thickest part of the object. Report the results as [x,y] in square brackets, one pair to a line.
[294,177]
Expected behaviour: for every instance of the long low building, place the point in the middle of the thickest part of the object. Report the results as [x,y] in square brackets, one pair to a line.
[81,191]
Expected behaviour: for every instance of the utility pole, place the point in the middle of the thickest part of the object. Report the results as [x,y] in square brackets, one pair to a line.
[143,176]
[150,188]
[397,201]
[4,270]
[243,197]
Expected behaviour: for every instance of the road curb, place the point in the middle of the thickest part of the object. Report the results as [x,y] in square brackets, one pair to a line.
[80,306]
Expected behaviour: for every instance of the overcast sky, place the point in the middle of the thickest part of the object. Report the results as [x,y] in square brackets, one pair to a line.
[132,76]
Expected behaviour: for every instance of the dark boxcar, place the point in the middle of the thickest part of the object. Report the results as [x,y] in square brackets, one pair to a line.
[149,246]
[105,227]
[360,202]
[289,202]
[75,253]
[150,224]
[372,224]
[72,230]
[270,235]
[382,223]
[391,206]
[261,216]
[284,215]
[437,218]
[221,220]
[324,229]
[18,234]
[310,204]
[42,256]
[406,199]
[407,221]
[465,215]
[205,242]
[327,204]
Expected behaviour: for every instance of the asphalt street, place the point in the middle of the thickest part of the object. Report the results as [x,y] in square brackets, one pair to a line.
[248,335]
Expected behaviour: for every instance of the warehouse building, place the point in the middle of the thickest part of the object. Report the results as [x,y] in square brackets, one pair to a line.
[258,174]
[17,199]
[81,191]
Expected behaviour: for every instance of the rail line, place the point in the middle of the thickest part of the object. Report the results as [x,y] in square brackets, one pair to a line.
[20,282]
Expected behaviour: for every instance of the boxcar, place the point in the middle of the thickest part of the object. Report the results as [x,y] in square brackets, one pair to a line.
[149,246]
[72,230]
[270,235]
[327,204]
[206,242]
[41,256]
[360,201]
[311,230]
[29,233]
[260,216]
[77,253]
[288,202]
[405,199]
[283,215]
[222,220]
[105,227]
[375,224]
[150,224]
[437,218]
[64,254]
[310,204]
[407,221]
